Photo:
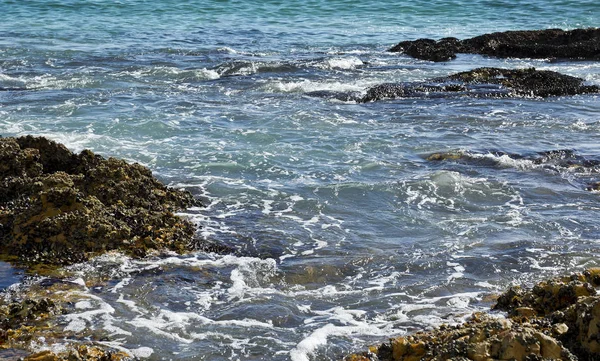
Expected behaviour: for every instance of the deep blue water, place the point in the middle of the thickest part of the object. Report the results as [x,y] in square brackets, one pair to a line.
[345,233]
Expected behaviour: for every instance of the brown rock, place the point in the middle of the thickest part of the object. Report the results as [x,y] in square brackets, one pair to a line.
[57,207]
[557,319]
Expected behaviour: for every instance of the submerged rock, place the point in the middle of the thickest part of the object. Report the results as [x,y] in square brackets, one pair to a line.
[57,207]
[555,320]
[487,82]
[581,44]
[560,161]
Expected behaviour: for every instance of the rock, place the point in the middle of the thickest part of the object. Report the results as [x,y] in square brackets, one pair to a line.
[482,338]
[526,82]
[545,297]
[429,49]
[57,207]
[594,187]
[487,82]
[557,319]
[577,44]
[79,353]
[556,161]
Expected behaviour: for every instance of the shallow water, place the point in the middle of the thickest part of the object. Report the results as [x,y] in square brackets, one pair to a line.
[345,233]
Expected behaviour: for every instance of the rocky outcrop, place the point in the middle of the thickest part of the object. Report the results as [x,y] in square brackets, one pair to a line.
[57,207]
[487,82]
[581,44]
[557,319]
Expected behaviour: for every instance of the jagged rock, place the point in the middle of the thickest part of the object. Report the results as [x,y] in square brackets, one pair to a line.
[481,338]
[487,82]
[558,319]
[552,43]
[429,49]
[57,207]
[549,296]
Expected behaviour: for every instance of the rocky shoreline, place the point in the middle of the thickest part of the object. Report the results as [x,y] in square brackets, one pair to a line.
[558,319]
[58,208]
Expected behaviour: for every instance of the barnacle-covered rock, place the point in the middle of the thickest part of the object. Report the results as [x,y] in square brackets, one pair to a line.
[557,319]
[549,296]
[482,338]
[57,207]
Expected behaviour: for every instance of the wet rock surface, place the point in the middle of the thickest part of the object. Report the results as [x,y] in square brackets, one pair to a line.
[581,44]
[558,319]
[487,82]
[32,312]
[58,208]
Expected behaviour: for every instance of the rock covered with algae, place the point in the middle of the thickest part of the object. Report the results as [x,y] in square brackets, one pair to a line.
[58,208]
[558,319]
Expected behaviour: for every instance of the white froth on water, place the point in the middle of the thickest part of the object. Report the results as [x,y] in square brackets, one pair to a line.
[342,63]
[306,86]
[318,338]
[141,352]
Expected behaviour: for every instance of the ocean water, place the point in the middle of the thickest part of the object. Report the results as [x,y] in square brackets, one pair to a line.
[344,232]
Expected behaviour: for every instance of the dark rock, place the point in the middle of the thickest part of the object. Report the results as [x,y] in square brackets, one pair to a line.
[487,82]
[341,96]
[594,187]
[526,82]
[57,207]
[429,49]
[581,44]
[410,90]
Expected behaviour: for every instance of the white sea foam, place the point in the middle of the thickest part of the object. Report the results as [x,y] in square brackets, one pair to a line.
[353,325]
[342,63]
[163,72]
[141,352]
[305,86]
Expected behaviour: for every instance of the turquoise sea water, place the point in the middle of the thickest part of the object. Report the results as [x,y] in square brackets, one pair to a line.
[345,233]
